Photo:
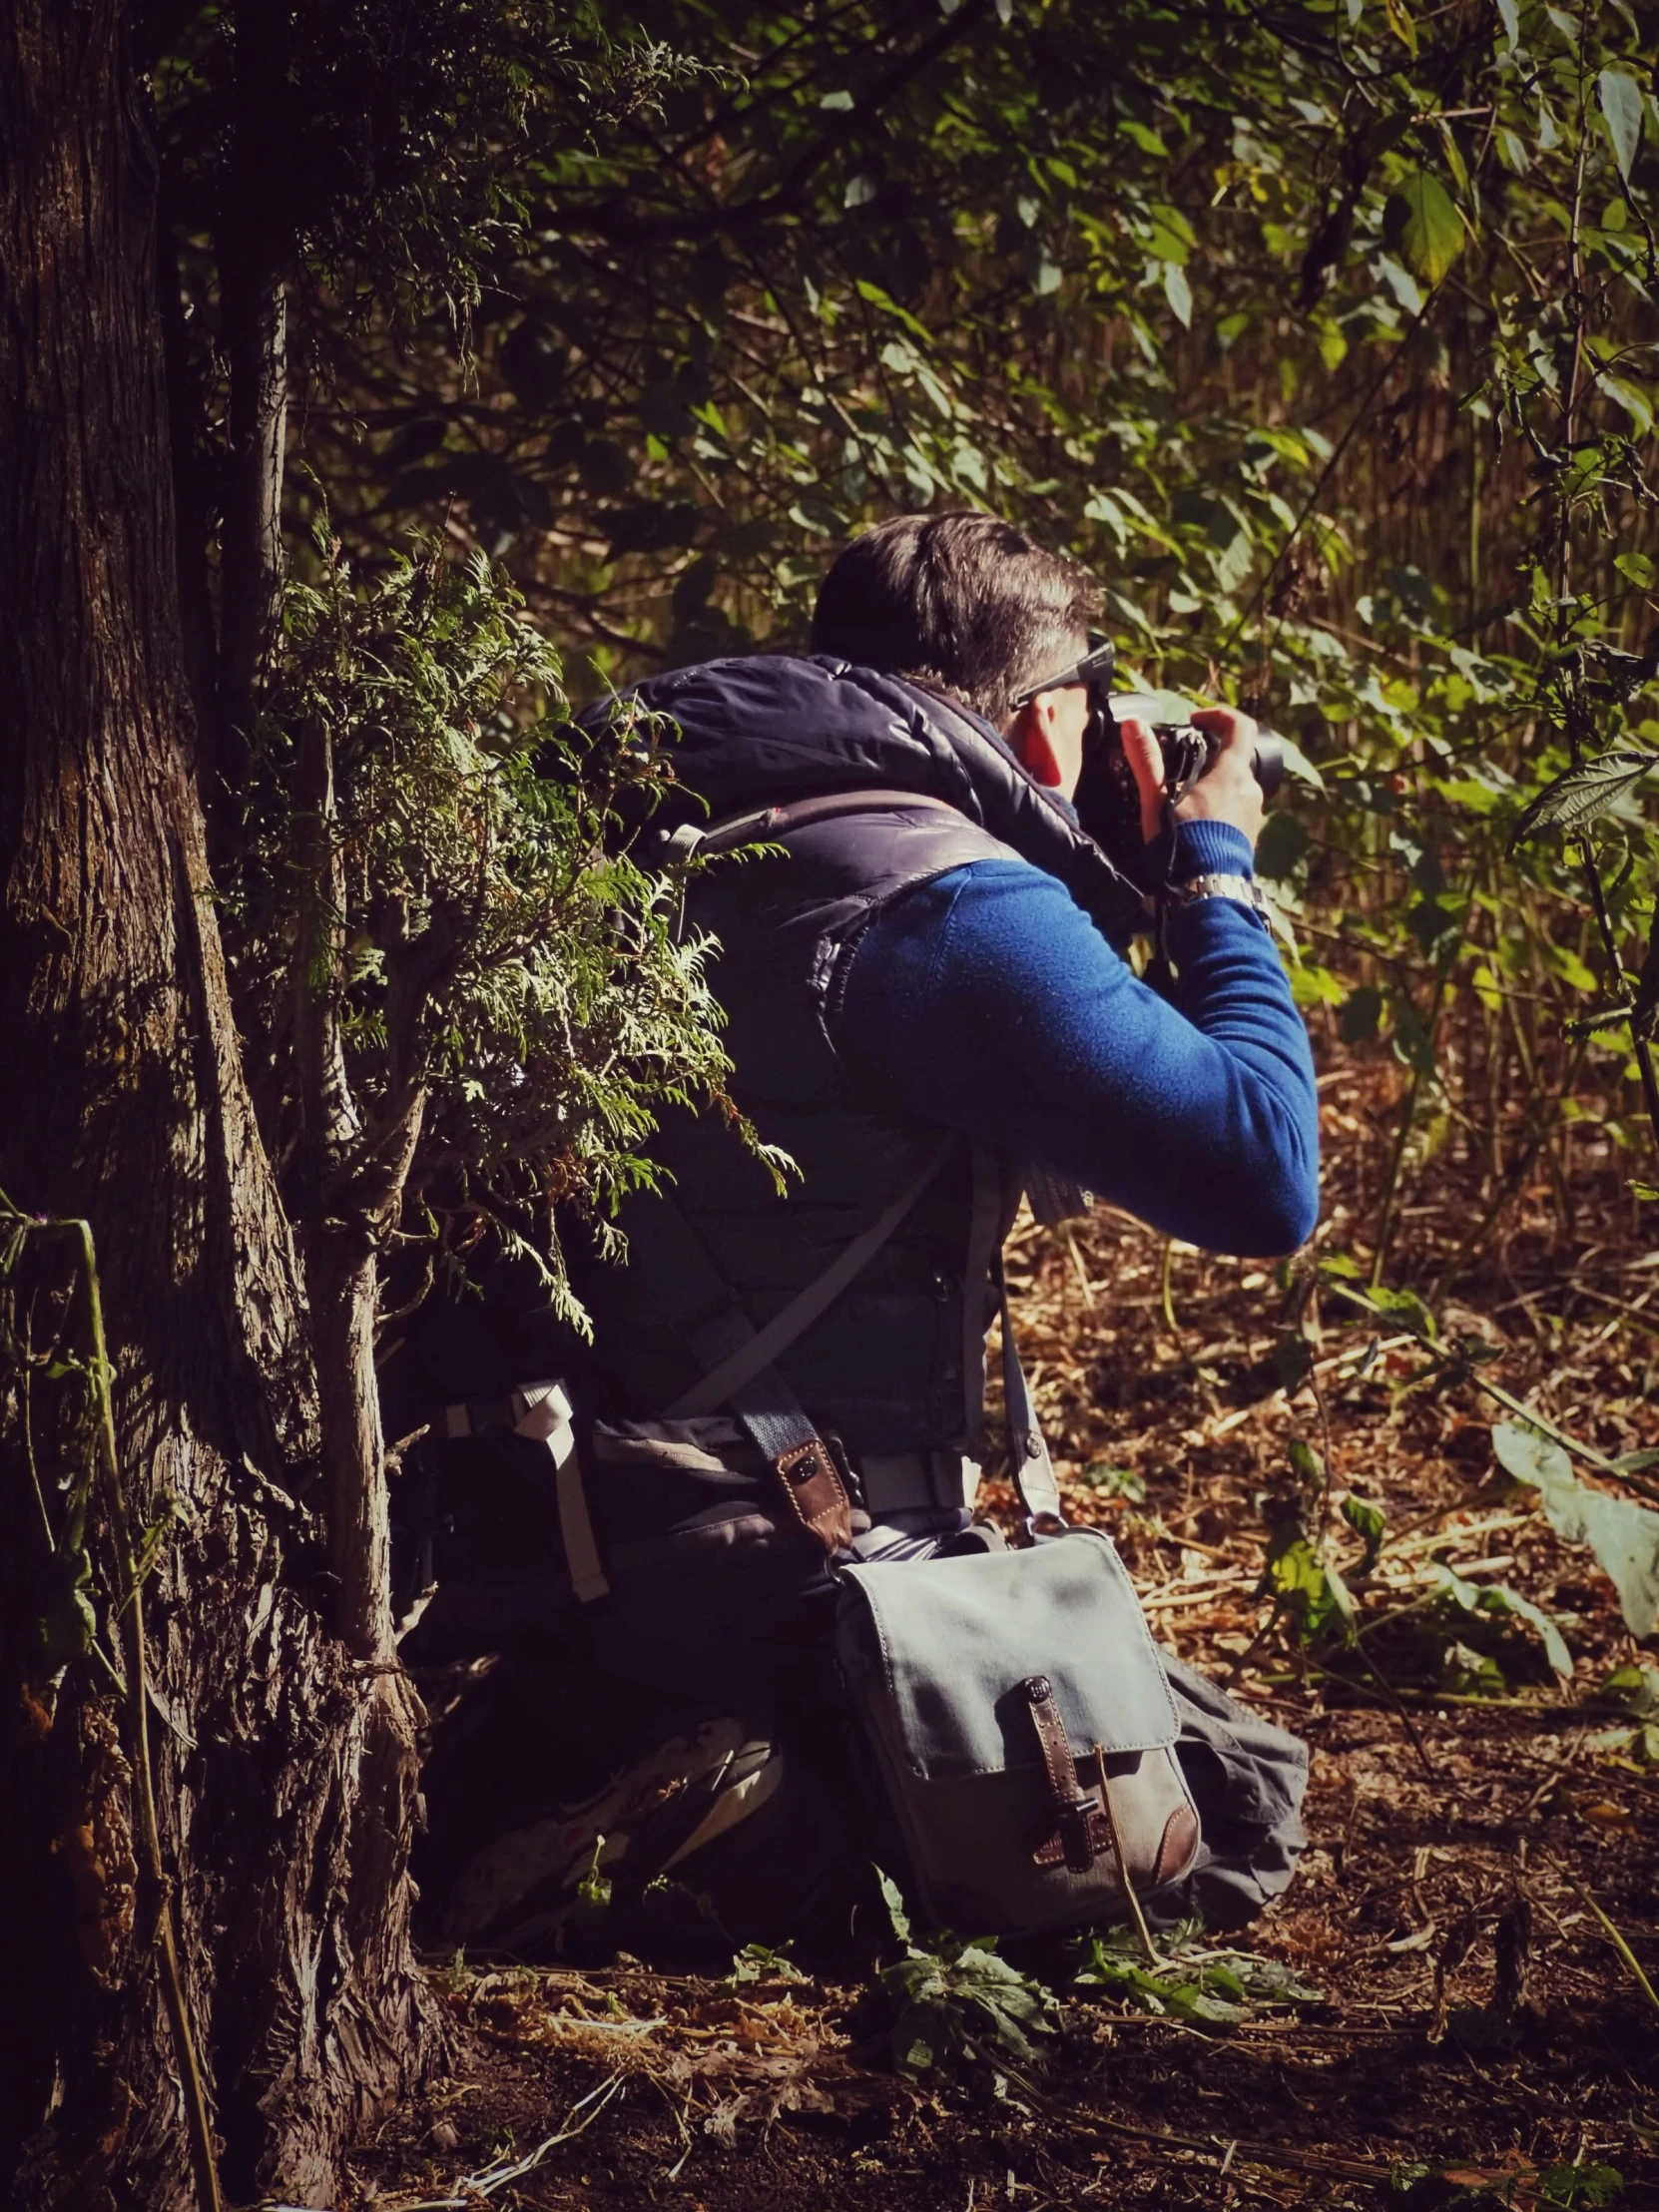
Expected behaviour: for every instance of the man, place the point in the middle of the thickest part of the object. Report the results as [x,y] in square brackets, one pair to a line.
[928,1011]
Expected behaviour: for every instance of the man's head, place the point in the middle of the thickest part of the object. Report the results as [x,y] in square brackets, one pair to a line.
[969,603]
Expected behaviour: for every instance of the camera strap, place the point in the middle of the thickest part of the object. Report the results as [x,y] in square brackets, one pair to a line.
[1029,1463]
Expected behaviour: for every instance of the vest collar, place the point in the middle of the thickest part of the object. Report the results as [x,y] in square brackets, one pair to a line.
[766,729]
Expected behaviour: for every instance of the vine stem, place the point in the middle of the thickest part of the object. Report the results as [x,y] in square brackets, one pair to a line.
[1507,1399]
[1421,1074]
[136,1690]
[1616,979]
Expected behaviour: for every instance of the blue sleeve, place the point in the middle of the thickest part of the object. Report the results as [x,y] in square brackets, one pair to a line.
[993,1005]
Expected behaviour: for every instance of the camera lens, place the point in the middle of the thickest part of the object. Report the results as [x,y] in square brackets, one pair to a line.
[1269,760]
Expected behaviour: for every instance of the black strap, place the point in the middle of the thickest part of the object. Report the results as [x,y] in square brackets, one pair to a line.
[1028,1458]
[757,1351]
[1029,1463]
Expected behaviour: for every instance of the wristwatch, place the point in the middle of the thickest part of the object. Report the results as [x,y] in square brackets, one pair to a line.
[1241,890]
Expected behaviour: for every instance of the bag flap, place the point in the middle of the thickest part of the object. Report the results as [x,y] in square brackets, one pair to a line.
[956,1638]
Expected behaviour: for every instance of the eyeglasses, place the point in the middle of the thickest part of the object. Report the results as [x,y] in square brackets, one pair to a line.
[1094,672]
[1095,669]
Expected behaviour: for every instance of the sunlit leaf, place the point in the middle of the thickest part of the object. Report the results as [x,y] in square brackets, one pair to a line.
[1369,1522]
[1623,1535]
[1634,402]
[1620,99]
[1401,25]
[1583,794]
[1406,1305]
[1421,222]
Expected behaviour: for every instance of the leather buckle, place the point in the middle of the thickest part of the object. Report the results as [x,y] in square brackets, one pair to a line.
[815,1495]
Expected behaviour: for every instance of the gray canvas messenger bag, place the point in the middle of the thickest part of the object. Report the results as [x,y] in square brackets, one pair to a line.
[1023,1731]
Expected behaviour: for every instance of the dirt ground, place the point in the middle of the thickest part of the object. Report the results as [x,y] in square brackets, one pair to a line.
[1483,1828]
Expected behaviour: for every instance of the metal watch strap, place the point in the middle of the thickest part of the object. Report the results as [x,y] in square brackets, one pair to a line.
[1241,890]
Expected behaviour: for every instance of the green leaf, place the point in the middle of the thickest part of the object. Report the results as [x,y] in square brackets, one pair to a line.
[1282,847]
[1623,1535]
[1571,2188]
[1634,1687]
[1583,794]
[1306,1461]
[1292,1360]
[1510,15]
[1406,1305]
[1307,1587]
[1368,1521]
[1636,568]
[1620,98]
[1179,293]
[1401,25]
[1296,763]
[594,1889]
[1111,1482]
[1498,1597]
[1634,402]
[892,1898]
[951,1998]
[1191,1981]
[1421,222]
[1401,283]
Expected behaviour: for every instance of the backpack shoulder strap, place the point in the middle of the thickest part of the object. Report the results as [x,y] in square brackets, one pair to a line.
[762,1346]
[739,1357]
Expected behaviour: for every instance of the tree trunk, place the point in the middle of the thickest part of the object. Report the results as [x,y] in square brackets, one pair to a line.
[254,302]
[285,1771]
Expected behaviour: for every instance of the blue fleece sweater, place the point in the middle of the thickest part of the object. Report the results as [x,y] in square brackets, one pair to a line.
[994,1006]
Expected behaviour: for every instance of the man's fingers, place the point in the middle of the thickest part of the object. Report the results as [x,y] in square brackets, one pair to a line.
[1146,764]
[1228,791]
[1237,731]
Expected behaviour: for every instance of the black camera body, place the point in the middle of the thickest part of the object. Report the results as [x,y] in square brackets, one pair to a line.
[1108,802]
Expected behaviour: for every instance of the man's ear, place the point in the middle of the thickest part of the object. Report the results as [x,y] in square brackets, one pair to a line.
[1027,737]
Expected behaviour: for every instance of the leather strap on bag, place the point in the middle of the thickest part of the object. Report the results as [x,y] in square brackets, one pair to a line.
[1082,1829]
[764,823]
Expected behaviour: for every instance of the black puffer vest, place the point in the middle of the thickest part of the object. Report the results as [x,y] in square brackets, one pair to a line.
[883,1368]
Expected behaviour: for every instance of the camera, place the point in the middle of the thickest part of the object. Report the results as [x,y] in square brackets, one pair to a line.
[1107,802]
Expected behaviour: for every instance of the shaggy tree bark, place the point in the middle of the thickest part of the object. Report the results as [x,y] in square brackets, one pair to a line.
[285,1760]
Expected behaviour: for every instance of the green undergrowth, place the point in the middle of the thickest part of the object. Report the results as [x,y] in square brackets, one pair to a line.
[1203,1985]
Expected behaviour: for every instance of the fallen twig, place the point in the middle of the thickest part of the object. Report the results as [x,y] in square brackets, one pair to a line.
[503,2170]
[1613,1933]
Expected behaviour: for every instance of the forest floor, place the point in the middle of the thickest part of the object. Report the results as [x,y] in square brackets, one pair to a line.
[1480,1901]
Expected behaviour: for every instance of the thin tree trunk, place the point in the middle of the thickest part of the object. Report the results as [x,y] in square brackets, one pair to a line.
[253,257]
[256,316]
[283,1760]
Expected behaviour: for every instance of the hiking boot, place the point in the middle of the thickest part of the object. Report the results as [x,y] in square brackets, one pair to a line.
[529,1888]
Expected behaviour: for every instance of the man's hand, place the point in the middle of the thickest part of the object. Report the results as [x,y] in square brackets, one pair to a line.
[1229,793]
